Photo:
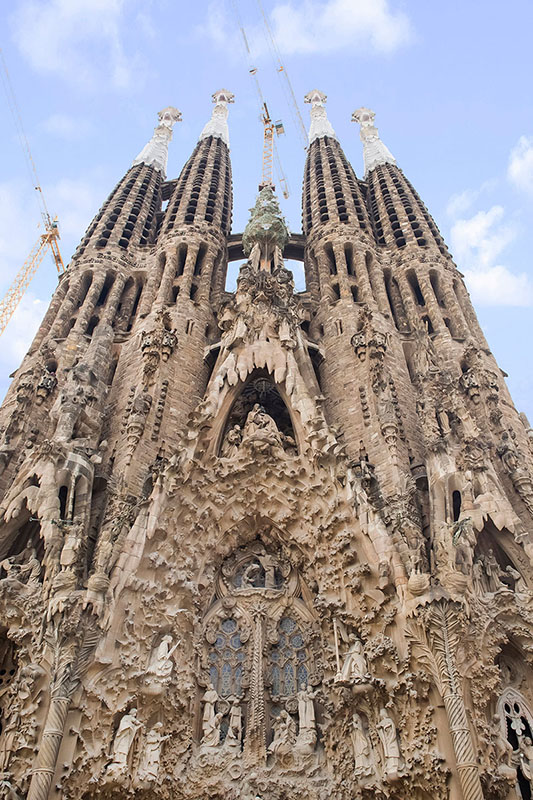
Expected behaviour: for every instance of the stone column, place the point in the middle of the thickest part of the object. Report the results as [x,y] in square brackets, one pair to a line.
[90,303]
[444,623]
[254,745]
[43,772]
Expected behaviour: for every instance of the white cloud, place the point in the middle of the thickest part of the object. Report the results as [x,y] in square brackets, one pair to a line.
[520,169]
[21,329]
[317,26]
[66,127]
[498,286]
[477,243]
[75,202]
[79,40]
[313,26]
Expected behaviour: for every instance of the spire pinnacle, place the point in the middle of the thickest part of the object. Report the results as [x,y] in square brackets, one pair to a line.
[155,153]
[217,125]
[320,124]
[374,151]
[266,230]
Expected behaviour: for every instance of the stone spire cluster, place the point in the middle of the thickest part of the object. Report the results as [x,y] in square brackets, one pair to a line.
[264,543]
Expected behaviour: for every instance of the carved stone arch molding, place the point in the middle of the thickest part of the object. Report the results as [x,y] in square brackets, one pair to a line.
[222,420]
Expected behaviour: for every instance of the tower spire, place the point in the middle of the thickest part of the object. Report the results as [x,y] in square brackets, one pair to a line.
[218,125]
[320,124]
[374,151]
[155,152]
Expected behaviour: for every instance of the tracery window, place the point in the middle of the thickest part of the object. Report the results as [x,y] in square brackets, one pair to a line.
[260,647]
[518,723]
[289,670]
[226,659]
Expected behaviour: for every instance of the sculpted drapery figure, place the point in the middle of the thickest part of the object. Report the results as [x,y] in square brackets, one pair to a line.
[161,665]
[389,740]
[209,700]
[149,766]
[284,735]
[125,737]
[355,667]
[362,751]
[211,728]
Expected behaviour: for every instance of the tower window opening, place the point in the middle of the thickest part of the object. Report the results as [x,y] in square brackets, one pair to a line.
[427,322]
[355,293]
[93,322]
[348,253]
[175,293]
[182,255]
[332,261]
[193,290]
[135,305]
[189,326]
[336,291]
[456,505]
[200,259]
[108,283]
[62,495]
[339,327]
[415,286]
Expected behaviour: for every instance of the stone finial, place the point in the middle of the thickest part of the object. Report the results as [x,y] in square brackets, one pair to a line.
[155,153]
[218,125]
[320,124]
[374,151]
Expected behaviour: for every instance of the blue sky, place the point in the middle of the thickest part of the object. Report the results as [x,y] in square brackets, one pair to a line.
[450,83]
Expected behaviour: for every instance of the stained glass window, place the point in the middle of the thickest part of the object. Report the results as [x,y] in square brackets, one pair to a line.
[288,660]
[226,659]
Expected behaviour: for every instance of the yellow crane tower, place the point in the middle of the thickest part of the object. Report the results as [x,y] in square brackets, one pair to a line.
[47,240]
[271,129]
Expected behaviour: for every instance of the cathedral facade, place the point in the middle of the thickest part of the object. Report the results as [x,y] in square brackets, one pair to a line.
[264,544]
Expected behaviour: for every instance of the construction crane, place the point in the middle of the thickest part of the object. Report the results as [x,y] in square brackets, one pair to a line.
[284,75]
[47,240]
[271,129]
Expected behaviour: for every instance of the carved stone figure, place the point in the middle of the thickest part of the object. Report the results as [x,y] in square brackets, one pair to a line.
[211,729]
[10,733]
[362,750]
[389,741]
[306,719]
[355,667]
[209,699]
[234,734]
[526,757]
[161,664]
[284,735]
[231,443]
[124,740]
[260,431]
[151,755]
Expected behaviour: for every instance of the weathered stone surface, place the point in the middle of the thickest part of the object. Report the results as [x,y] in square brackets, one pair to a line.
[264,544]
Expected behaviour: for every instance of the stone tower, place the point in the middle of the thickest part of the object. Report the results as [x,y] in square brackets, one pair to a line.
[264,544]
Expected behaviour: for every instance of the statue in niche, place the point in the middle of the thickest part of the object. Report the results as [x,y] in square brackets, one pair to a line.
[231,443]
[234,734]
[25,567]
[252,576]
[211,730]
[520,587]
[478,577]
[161,663]
[269,564]
[464,539]
[260,431]
[306,720]
[362,750]
[210,699]
[492,572]
[526,757]
[389,740]
[355,667]
[284,735]
[125,737]
[149,766]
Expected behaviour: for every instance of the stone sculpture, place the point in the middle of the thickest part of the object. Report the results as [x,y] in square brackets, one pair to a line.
[127,731]
[362,750]
[389,741]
